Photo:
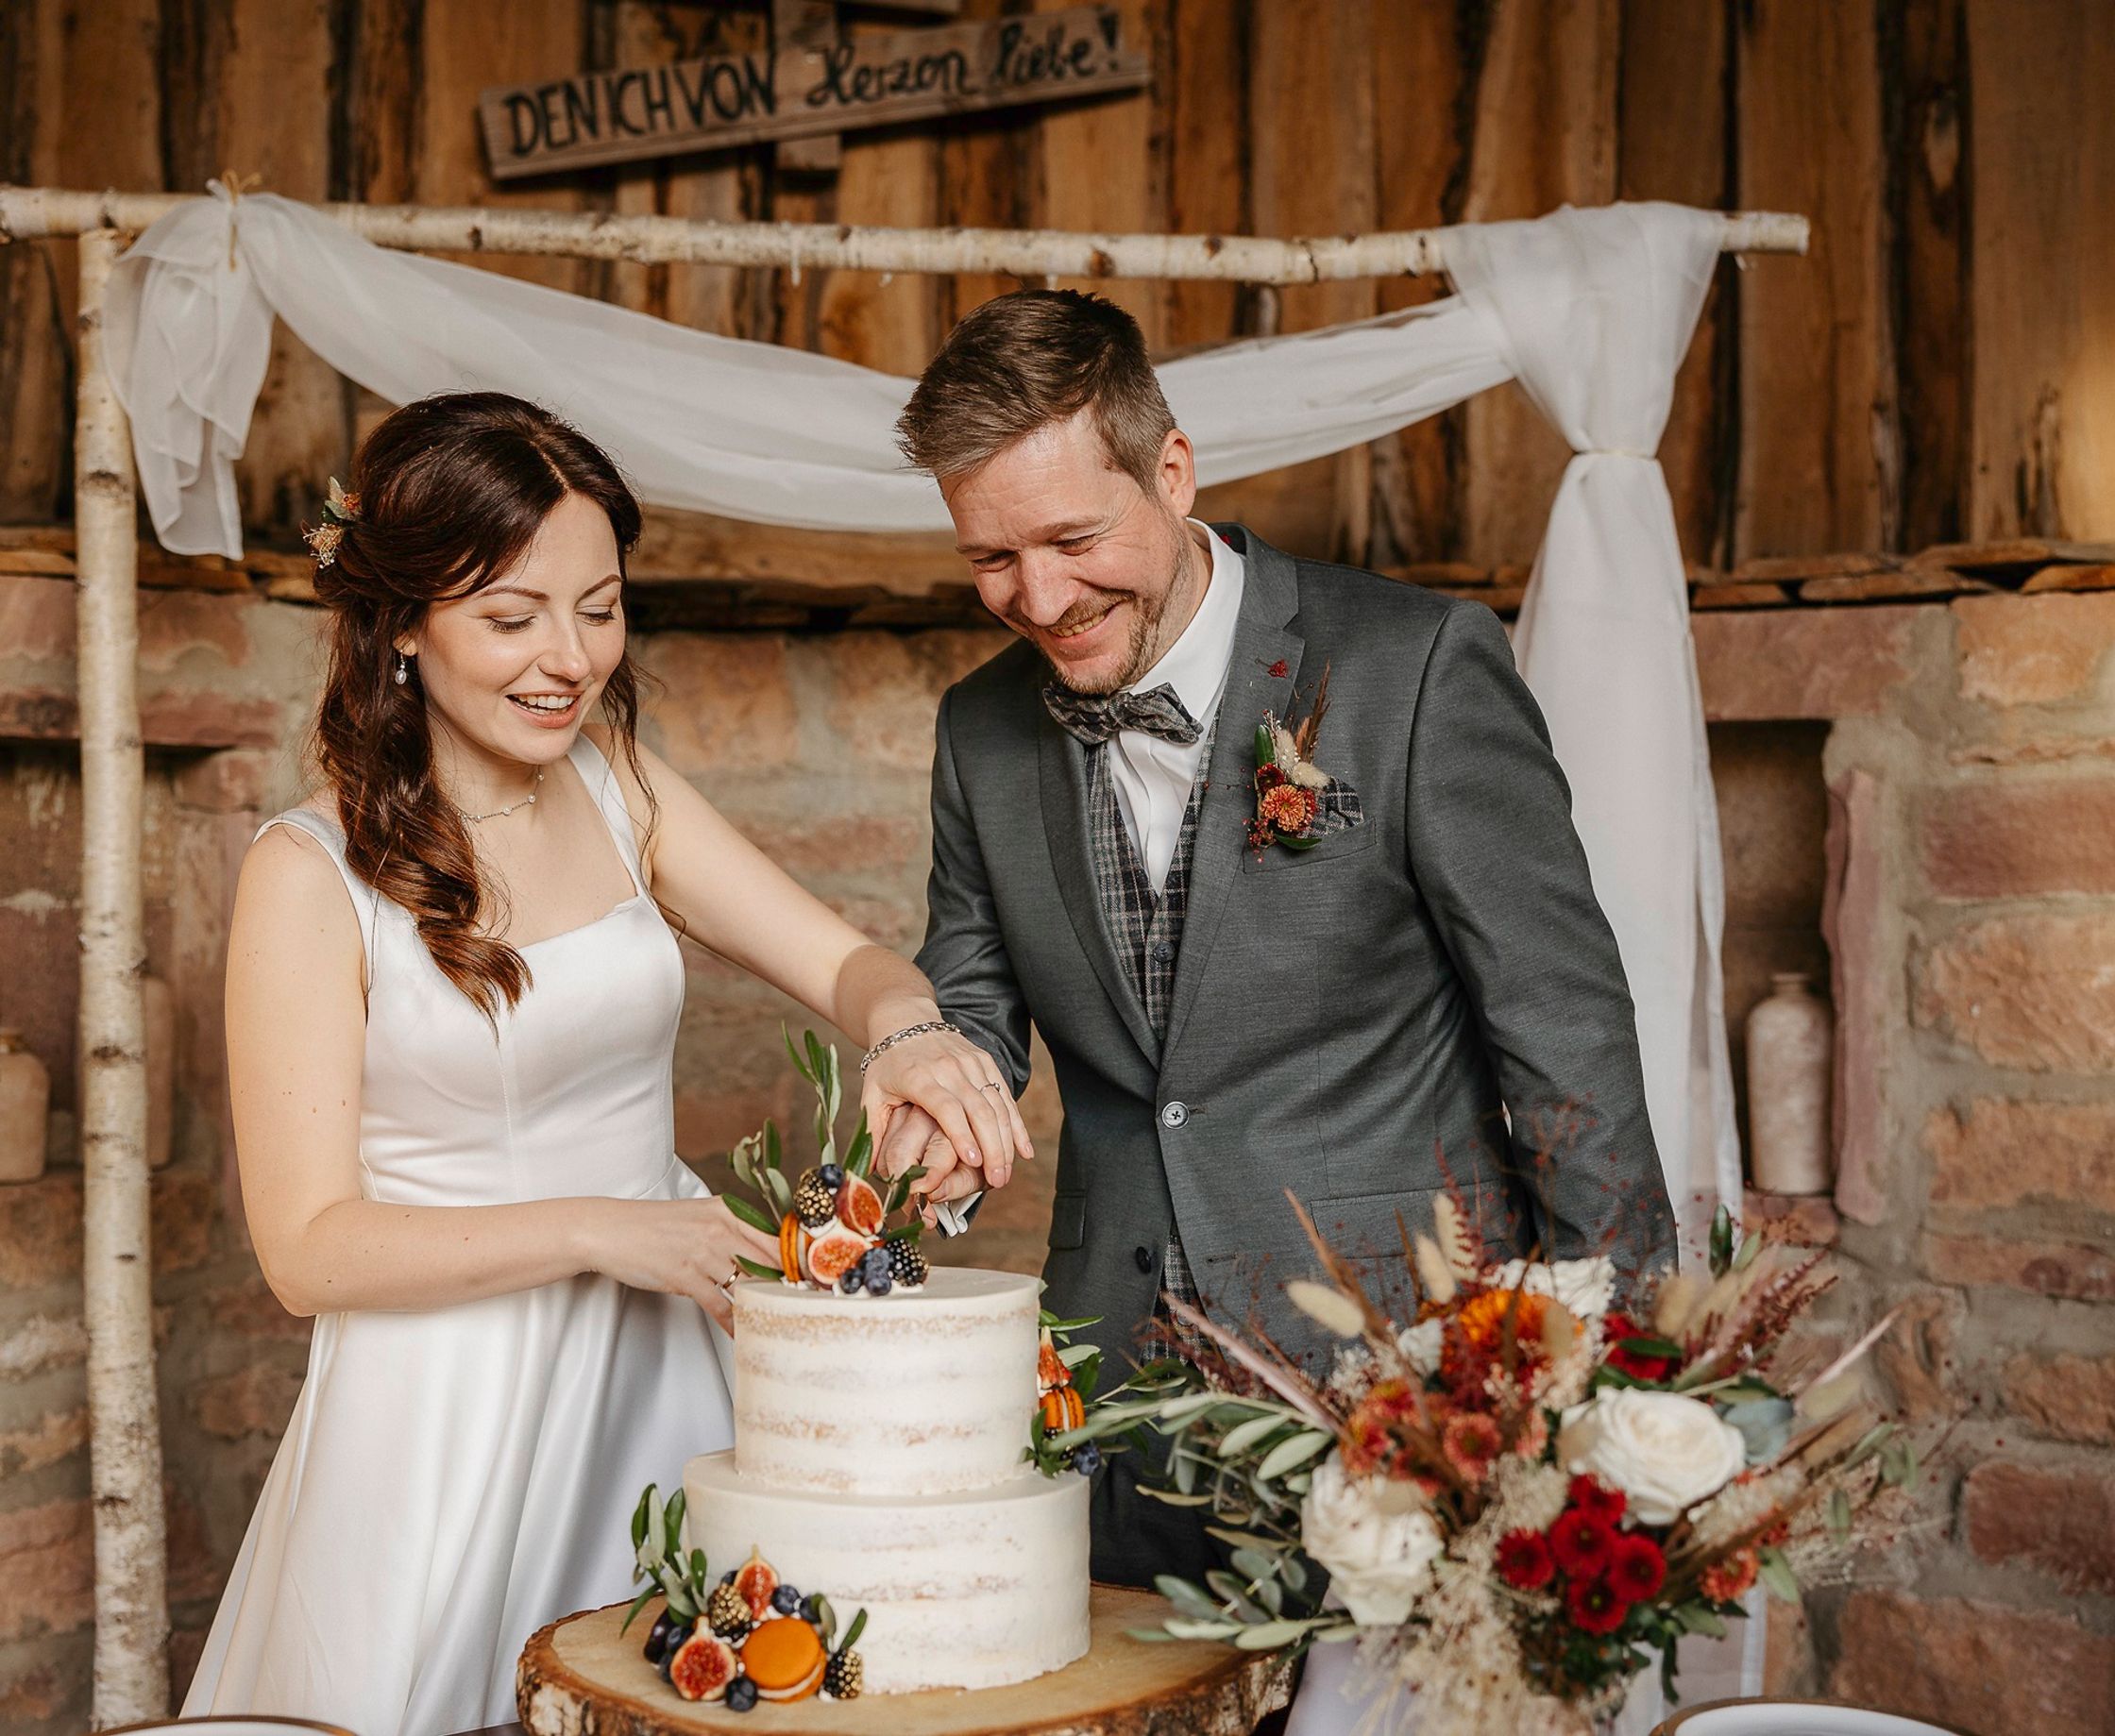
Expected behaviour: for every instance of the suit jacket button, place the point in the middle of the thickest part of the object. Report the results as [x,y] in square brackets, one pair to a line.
[1145,1258]
[1175,1114]
[1162,951]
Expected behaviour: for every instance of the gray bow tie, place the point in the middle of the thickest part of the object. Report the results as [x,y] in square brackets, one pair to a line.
[1096,716]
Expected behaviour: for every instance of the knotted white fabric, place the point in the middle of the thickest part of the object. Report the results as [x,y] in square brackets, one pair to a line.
[1591,308]
[1594,311]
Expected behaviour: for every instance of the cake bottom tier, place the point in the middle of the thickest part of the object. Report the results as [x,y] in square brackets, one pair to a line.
[971,1590]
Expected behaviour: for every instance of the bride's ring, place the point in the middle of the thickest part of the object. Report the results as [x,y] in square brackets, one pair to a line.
[993,1085]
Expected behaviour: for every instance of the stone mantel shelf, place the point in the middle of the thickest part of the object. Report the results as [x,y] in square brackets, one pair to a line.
[226,655]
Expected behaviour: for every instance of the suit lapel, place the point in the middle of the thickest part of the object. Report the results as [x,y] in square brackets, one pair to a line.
[1262,676]
[1066,823]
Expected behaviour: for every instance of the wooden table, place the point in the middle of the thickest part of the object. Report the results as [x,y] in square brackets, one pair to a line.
[581,1678]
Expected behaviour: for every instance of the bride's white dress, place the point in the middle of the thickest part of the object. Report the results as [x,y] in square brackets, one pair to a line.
[454,1478]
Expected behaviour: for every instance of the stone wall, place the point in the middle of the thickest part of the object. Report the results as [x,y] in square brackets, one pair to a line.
[1941,778]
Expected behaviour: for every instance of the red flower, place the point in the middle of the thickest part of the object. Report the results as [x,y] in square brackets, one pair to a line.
[1637,1570]
[1278,670]
[1724,1581]
[1635,1363]
[1581,1543]
[1594,1607]
[1524,1561]
[1589,1495]
[1269,778]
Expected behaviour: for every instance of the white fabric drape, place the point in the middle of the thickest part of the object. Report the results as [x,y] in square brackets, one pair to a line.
[1592,310]
[1595,310]
[705,423]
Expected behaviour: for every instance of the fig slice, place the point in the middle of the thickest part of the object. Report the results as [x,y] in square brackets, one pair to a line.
[704,1666]
[835,1252]
[859,1206]
[757,1581]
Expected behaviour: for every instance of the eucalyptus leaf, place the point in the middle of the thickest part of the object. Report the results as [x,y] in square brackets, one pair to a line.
[671,1525]
[1271,1595]
[858,1628]
[638,1603]
[1331,1636]
[1072,1355]
[1751,1245]
[1839,1514]
[1698,1618]
[1243,1436]
[1291,1570]
[1776,1573]
[800,1062]
[1765,1425]
[1298,1451]
[1190,1599]
[1269,1636]
[1266,750]
[1233,1591]
[1721,1242]
[750,1214]
[1178,1629]
[639,1516]
[681,1605]
[757,1269]
[781,1192]
[654,1533]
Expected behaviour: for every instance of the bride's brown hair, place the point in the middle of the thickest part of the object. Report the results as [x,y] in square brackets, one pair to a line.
[450,492]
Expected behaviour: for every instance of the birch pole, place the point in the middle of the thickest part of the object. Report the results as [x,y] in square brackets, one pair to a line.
[125,1440]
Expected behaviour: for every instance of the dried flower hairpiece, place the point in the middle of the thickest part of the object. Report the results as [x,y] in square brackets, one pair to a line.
[339,511]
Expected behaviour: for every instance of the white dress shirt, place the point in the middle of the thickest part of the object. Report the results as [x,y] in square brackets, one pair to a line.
[1152,776]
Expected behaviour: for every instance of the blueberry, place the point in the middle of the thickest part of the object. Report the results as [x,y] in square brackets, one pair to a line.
[741,1695]
[786,1600]
[853,1280]
[879,1283]
[1087,1458]
[875,1260]
[831,1176]
[727,1577]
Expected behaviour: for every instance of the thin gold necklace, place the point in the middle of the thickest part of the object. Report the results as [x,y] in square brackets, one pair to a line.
[527,801]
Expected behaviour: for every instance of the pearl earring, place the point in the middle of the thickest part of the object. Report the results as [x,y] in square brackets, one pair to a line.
[403,670]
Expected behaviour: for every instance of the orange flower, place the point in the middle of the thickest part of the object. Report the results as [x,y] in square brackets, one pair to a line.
[1724,1581]
[1472,1346]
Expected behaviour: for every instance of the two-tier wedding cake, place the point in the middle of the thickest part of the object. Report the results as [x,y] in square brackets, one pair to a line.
[879,1453]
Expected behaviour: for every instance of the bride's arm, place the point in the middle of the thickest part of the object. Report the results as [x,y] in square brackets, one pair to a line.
[736,901]
[296,1033]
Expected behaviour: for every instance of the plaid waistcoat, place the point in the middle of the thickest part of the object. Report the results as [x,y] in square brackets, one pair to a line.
[1147,929]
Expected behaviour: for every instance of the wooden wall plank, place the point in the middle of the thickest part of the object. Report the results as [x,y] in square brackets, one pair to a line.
[1545,134]
[271,118]
[1673,146]
[1816,411]
[1310,101]
[1923,58]
[464,50]
[1201,83]
[1421,78]
[2042,144]
[87,95]
[1102,164]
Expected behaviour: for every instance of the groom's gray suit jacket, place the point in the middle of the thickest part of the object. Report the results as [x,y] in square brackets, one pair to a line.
[1346,1021]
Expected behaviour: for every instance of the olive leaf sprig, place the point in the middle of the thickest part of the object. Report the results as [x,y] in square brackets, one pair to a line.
[659,1558]
[759,1161]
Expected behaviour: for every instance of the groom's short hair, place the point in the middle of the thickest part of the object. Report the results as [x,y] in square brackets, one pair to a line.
[1021,362]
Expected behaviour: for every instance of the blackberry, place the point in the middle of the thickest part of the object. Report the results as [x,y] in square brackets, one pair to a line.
[741,1695]
[814,1201]
[832,1176]
[786,1600]
[727,1610]
[905,1264]
[844,1676]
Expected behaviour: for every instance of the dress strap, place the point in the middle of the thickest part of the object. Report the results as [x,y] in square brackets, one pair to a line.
[608,791]
[366,901]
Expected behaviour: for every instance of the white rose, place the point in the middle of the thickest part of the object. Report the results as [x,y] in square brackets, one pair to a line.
[1664,1451]
[1420,1344]
[1379,1560]
[1585,1288]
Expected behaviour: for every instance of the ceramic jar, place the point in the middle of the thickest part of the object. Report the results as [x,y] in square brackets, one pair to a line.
[1792,1043]
[25,1109]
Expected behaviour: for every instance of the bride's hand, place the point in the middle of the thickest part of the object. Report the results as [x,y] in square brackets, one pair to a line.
[679,1247]
[960,1086]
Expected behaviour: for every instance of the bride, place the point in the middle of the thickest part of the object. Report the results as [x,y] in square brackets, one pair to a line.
[452,999]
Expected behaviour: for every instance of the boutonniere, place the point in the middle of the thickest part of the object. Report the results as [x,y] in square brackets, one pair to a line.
[1288,782]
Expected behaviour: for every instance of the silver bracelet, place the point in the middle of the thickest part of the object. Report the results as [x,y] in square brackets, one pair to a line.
[908,1032]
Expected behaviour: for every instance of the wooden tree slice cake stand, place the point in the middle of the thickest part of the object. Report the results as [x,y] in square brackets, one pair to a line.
[581,1678]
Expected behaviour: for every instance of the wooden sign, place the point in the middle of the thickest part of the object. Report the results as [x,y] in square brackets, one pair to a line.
[806,91]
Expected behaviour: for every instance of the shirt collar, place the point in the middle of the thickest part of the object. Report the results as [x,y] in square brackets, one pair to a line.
[1196,665]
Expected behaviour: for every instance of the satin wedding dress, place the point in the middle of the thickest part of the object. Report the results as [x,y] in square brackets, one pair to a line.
[453,1479]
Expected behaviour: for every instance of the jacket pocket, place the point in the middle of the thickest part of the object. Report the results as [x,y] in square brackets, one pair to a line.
[1347,840]
[1068,1221]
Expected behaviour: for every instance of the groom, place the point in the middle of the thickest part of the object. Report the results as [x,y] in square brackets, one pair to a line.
[1344,991]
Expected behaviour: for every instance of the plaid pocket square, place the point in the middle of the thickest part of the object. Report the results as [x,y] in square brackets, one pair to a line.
[1337,808]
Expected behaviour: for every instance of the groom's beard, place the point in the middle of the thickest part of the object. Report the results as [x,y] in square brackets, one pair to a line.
[1143,649]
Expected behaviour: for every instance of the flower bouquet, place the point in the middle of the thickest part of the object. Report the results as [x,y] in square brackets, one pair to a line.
[1523,1493]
